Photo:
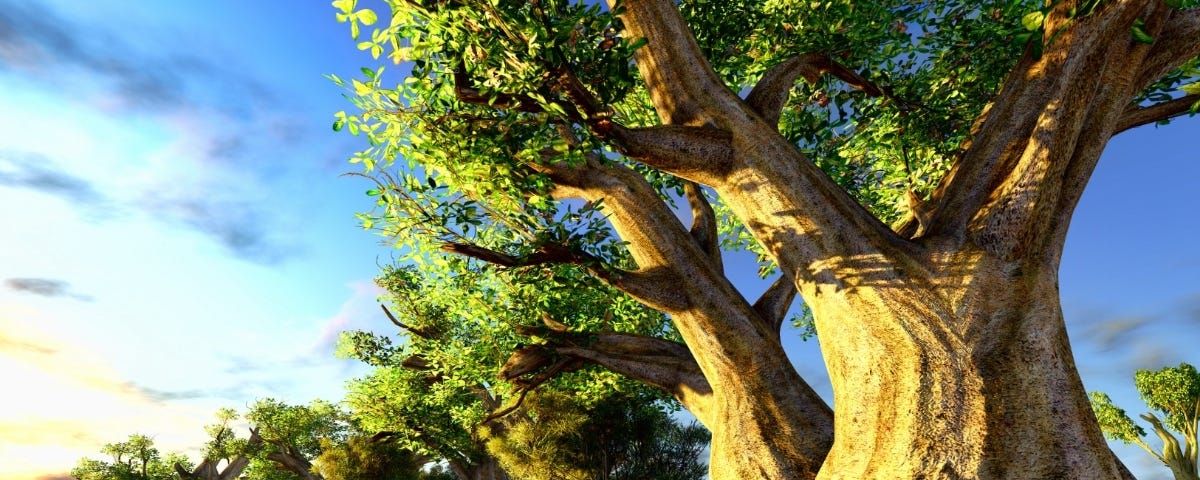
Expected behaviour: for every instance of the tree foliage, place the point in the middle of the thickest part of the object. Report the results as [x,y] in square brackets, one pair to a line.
[556,437]
[134,459]
[534,159]
[434,390]
[363,457]
[1173,392]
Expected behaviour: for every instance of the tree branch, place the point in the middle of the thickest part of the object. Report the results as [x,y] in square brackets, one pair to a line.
[1034,148]
[682,84]
[1138,116]
[543,254]
[645,284]
[413,330]
[656,362]
[773,305]
[772,91]
[699,154]
[1175,44]
[467,93]
[704,224]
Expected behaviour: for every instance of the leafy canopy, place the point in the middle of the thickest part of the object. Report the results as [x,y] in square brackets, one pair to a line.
[1172,392]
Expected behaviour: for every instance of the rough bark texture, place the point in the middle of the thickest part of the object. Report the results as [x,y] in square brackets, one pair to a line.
[944,338]
[948,352]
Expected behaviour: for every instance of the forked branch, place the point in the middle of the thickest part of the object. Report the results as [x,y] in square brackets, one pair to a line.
[773,305]
[771,93]
[1178,42]
[704,224]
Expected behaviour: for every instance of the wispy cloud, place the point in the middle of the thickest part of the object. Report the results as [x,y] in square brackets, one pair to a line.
[37,41]
[230,136]
[359,312]
[1111,332]
[45,287]
[63,403]
[12,344]
[36,171]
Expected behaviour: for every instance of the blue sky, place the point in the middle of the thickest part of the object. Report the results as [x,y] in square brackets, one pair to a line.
[177,237]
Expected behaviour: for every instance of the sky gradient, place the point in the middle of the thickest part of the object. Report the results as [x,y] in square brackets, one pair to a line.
[177,237]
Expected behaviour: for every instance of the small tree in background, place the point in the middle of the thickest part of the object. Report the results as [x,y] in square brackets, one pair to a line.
[134,459]
[1173,392]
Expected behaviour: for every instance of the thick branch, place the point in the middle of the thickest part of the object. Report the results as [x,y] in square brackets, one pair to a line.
[644,285]
[773,305]
[1041,136]
[682,84]
[1138,116]
[700,154]
[656,362]
[771,93]
[1178,42]
[704,224]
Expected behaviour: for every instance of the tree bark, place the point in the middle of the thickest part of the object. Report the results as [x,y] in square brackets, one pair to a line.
[944,337]
[945,345]
[485,469]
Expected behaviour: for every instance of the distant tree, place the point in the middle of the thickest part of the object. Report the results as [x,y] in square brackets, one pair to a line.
[292,435]
[223,446]
[556,437]
[1173,392]
[283,441]
[134,459]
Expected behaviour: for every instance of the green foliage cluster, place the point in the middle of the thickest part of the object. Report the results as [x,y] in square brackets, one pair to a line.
[460,325]
[1172,392]
[134,459]
[362,457]
[622,438]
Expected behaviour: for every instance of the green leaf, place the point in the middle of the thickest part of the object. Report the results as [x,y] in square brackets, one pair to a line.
[1139,33]
[360,88]
[338,124]
[367,16]
[1033,20]
[1191,88]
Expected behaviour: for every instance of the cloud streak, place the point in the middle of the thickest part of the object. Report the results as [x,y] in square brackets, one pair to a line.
[35,171]
[44,287]
[231,134]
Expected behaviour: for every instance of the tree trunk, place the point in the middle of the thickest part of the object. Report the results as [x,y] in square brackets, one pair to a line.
[485,469]
[943,338]
[973,381]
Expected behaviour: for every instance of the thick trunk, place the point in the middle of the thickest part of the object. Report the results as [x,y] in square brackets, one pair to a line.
[486,469]
[765,422]
[944,340]
[967,376]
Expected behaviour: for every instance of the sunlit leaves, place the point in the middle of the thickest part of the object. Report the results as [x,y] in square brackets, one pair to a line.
[1174,391]
[1113,421]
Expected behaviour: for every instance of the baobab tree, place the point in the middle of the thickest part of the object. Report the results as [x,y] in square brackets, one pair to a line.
[909,168]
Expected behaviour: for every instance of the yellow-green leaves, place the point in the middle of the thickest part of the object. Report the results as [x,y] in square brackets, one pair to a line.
[346,13]
[1113,421]
[1033,20]
[1174,391]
